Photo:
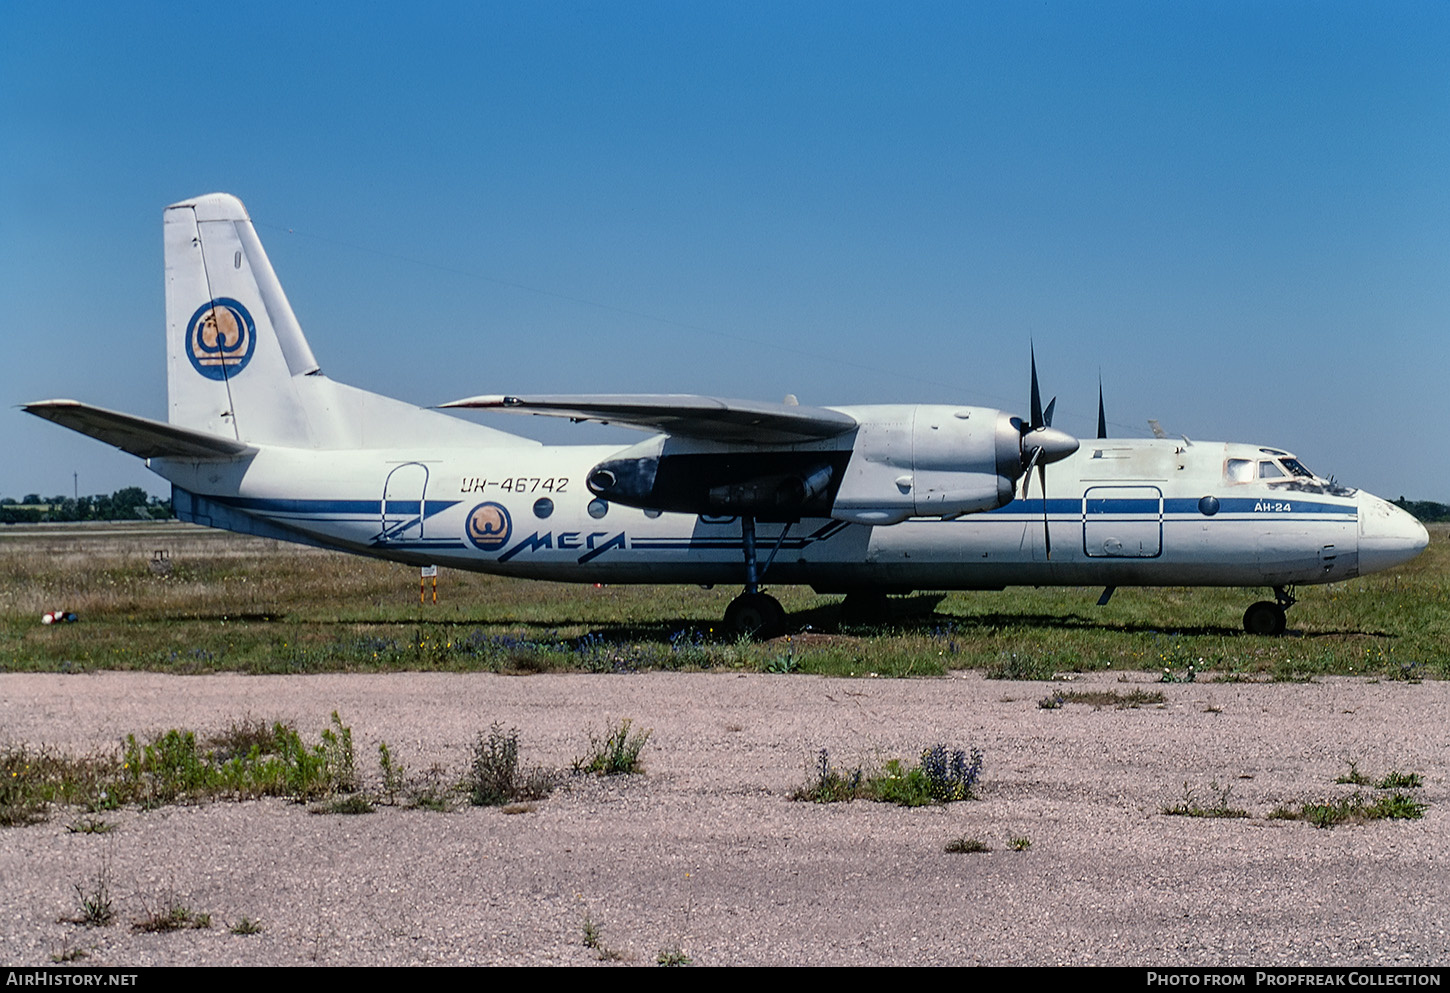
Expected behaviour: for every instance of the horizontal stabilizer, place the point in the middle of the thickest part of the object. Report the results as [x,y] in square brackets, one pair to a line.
[700,417]
[139,436]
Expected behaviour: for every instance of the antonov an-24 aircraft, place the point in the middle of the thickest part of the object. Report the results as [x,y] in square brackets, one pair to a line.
[862,500]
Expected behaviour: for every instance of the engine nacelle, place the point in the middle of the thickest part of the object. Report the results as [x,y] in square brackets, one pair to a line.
[780,483]
[929,461]
[901,461]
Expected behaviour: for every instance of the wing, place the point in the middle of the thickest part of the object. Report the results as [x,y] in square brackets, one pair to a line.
[140,436]
[683,415]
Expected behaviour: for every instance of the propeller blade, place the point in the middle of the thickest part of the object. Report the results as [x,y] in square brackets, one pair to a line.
[1036,394]
[1102,414]
[1027,472]
[1041,443]
[1046,531]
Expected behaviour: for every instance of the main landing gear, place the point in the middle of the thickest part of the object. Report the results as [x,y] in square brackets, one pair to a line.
[755,614]
[1268,618]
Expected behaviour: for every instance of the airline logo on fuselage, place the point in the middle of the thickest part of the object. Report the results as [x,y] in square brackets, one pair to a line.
[488,527]
[220,338]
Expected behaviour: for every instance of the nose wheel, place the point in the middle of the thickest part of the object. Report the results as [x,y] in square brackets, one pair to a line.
[1268,617]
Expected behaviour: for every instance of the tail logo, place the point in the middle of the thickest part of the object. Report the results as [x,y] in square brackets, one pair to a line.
[488,527]
[220,338]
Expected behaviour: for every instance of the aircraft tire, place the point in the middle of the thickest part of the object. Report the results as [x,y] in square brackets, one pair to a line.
[755,615]
[1266,618]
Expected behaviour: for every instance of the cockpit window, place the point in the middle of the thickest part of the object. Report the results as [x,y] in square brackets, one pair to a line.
[1296,468]
[1239,471]
[1270,470]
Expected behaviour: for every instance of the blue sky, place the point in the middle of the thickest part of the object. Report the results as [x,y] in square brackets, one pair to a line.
[1237,212]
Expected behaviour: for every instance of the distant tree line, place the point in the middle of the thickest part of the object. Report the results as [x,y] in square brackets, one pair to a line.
[1426,510]
[129,504]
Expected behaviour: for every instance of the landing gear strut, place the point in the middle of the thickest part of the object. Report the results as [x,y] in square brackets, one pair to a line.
[1268,618]
[755,614]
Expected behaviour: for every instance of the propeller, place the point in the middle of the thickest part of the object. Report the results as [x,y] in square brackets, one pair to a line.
[1042,444]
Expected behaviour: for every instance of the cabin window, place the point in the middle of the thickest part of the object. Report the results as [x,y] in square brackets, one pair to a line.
[1270,470]
[1296,468]
[1239,471]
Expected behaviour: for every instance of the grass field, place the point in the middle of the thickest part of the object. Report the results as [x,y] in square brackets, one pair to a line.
[229,603]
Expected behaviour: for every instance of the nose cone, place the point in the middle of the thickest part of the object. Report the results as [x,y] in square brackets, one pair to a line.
[1055,444]
[1387,535]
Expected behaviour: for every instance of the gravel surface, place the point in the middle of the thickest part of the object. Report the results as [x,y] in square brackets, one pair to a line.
[707,853]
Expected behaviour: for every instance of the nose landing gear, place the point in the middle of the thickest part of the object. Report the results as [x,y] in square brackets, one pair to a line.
[1268,617]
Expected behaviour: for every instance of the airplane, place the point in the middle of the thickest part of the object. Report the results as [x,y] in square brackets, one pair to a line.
[857,500]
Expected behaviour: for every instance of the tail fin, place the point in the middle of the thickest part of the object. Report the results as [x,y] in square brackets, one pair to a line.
[233,343]
[238,364]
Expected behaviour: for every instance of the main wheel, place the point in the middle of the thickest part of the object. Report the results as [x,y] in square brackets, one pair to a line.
[1265,617]
[755,615]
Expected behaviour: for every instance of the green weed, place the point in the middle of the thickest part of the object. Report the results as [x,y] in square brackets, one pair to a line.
[1400,781]
[1019,843]
[1097,699]
[246,925]
[784,663]
[96,908]
[174,767]
[395,778]
[429,791]
[495,776]
[67,953]
[828,784]
[30,782]
[941,776]
[615,752]
[425,792]
[352,803]
[1353,810]
[172,915]
[672,957]
[338,755]
[594,940]
[899,785]
[1219,807]
[1394,780]
[1353,777]
[966,846]
[1011,665]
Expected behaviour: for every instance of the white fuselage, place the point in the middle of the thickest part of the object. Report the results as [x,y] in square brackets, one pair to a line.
[1120,511]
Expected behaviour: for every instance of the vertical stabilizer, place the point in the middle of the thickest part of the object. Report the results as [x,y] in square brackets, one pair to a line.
[233,344]
[238,365]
